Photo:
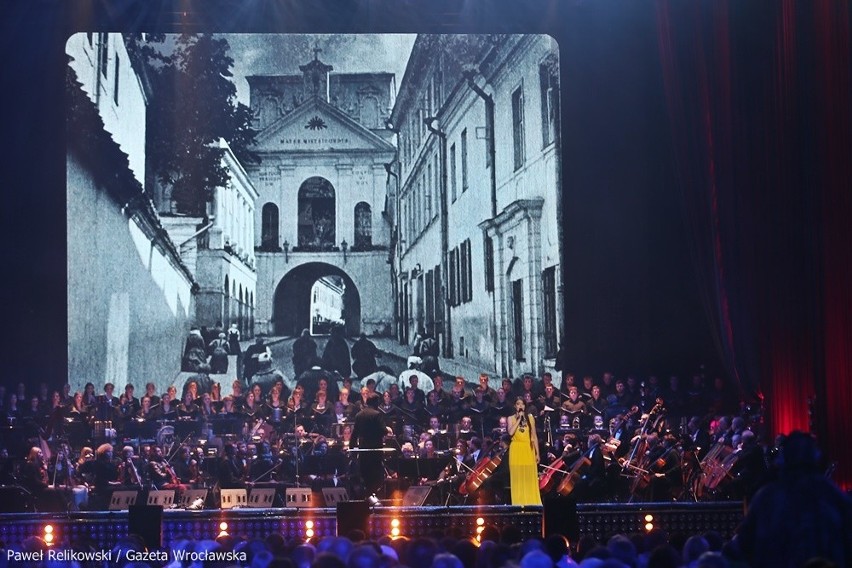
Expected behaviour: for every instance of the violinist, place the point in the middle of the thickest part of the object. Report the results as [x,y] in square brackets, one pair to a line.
[33,474]
[61,469]
[104,474]
[83,469]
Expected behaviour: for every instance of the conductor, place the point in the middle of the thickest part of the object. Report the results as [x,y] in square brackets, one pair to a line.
[367,434]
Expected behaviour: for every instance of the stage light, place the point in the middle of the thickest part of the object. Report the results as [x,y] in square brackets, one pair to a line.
[223,526]
[480,521]
[48,529]
[309,525]
[309,533]
[649,518]
[395,523]
[649,526]
[48,538]
[394,531]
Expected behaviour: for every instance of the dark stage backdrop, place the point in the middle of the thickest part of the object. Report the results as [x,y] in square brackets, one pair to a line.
[706,178]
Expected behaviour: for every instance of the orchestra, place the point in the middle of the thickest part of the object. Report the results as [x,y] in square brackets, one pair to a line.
[619,447]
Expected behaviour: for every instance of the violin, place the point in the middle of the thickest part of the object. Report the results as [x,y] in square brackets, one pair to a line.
[481,473]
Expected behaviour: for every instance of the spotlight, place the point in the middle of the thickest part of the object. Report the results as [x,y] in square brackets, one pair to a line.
[48,529]
[373,501]
[223,526]
[48,538]
[309,525]
[394,531]
[395,523]
[649,526]
[309,533]
[649,518]
[480,521]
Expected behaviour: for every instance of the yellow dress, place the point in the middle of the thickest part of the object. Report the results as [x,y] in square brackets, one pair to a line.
[523,471]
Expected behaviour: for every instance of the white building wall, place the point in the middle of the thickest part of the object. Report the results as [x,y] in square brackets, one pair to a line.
[123,118]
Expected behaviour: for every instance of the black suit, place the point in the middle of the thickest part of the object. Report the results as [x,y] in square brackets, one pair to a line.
[368,433]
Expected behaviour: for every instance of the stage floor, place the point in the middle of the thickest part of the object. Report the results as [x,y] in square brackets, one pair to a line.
[103,529]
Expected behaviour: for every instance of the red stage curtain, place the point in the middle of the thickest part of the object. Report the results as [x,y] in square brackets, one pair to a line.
[759,102]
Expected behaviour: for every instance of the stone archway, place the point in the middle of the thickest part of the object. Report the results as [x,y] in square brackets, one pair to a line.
[292,299]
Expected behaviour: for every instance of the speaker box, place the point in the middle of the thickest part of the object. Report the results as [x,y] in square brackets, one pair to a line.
[560,517]
[146,521]
[353,515]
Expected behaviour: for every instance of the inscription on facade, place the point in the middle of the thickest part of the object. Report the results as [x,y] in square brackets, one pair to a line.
[313,141]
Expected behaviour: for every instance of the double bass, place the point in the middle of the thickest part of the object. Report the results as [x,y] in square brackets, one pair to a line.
[481,472]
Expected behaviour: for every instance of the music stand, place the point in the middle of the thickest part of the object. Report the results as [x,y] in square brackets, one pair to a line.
[165,498]
[226,426]
[187,429]
[122,500]
[233,498]
[334,495]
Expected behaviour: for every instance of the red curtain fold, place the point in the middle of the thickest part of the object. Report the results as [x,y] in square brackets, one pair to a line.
[759,101]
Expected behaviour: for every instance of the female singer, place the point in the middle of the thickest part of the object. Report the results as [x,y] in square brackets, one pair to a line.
[523,457]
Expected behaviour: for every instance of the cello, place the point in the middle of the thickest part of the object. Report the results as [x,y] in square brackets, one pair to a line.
[547,479]
[481,472]
[566,486]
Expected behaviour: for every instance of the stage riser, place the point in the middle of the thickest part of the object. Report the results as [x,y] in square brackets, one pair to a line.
[103,529]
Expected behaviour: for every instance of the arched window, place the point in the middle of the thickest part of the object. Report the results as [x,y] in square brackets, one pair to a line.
[316,214]
[269,227]
[363,226]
